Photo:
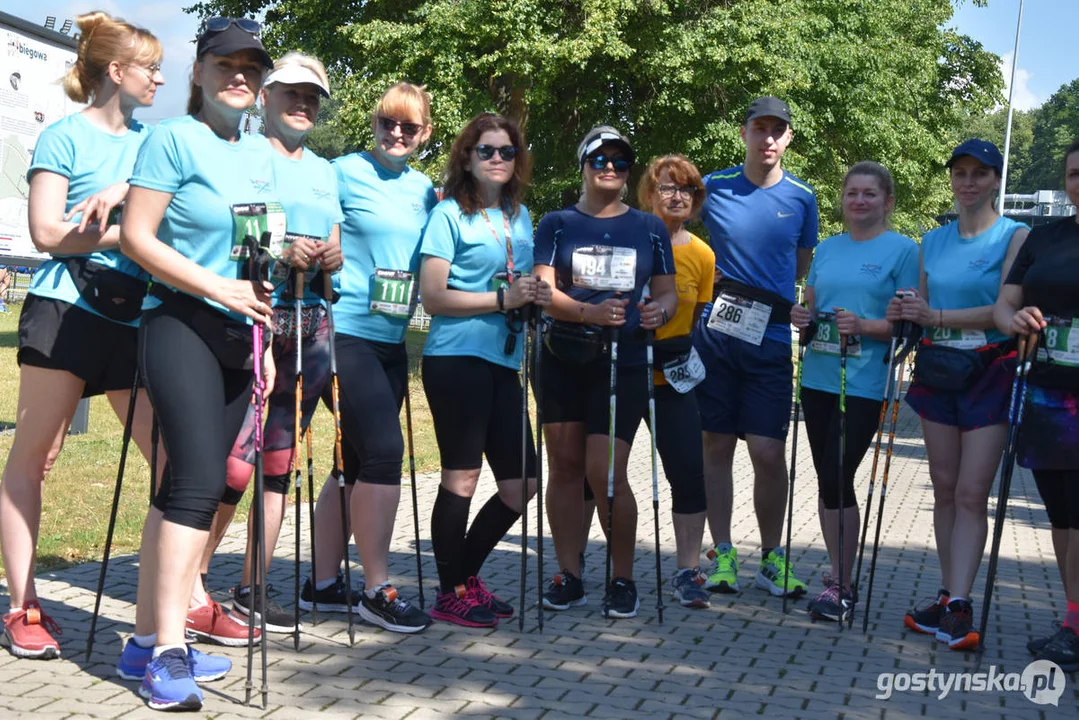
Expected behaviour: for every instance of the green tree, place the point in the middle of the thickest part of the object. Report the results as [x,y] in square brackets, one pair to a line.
[886,81]
[1055,127]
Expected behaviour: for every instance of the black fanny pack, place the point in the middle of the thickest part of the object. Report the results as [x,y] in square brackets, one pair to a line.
[116,295]
[574,342]
[228,339]
[671,349]
[953,369]
[781,306]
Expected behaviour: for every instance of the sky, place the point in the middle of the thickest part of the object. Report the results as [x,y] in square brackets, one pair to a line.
[1048,29]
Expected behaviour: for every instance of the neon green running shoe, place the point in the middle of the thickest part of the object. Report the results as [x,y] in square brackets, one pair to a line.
[724,576]
[771,575]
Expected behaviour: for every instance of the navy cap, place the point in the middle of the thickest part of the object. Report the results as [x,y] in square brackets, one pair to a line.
[768,106]
[983,151]
[230,40]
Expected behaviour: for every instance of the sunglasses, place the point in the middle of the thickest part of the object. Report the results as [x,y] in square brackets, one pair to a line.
[219,24]
[599,162]
[408,129]
[486,152]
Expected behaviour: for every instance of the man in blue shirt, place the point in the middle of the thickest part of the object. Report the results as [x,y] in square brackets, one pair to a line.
[762,224]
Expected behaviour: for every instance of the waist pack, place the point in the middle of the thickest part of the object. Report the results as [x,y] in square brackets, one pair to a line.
[574,342]
[284,320]
[953,369]
[229,340]
[781,306]
[116,295]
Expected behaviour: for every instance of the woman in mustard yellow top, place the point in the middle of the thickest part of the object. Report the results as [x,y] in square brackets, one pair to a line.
[672,189]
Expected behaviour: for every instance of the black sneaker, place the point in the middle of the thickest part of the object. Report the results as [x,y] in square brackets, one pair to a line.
[331,599]
[957,626]
[926,617]
[278,620]
[486,598]
[1035,646]
[1063,649]
[621,599]
[565,591]
[387,610]
[835,604]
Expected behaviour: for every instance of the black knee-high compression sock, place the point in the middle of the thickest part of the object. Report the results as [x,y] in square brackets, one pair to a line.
[449,520]
[491,525]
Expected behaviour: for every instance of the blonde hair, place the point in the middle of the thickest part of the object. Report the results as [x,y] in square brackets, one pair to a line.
[104,39]
[404,98]
[312,63]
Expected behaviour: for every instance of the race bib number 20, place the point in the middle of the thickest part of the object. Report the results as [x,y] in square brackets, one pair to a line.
[957,338]
[602,267]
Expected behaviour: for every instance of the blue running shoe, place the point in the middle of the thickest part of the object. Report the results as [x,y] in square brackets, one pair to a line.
[168,685]
[204,668]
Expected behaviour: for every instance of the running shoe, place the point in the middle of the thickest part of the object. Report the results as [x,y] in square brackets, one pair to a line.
[621,600]
[278,620]
[1035,646]
[957,626]
[389,611]
[30,632]
[925,618]
[167,683]
[1063,649]
[689,588]
[210,622]
[565,591]
[835,603]
[488,599]
[204,668]
[724,575]
[331,599]
[775,572]
[461,606]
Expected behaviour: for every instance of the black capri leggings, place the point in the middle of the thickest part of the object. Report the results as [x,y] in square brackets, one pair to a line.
[373,376]
[822,426]
[1060,493]
[200,408]
[678,440]
[476,407]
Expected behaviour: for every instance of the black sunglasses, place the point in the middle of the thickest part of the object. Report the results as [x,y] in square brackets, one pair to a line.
[486,152]
[219,24]
[598,162]
[408,129]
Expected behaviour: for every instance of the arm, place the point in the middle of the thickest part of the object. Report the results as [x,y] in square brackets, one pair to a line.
[50,232]
[563,307]
[1012,317]
[805,257]
[145,210]
[664,302]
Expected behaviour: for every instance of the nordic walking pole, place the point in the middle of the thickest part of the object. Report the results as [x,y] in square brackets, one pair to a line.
[1027,349]
[842,452]
[415,501]
[258,266]
[338,461]
[526,316]
[794,456]
[883,494]
[297,436]
[897,332]
[610,465]
[311,515]
[649,336]
[115,508]
[536,328]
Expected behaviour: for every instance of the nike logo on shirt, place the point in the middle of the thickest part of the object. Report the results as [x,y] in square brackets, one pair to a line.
[783,214]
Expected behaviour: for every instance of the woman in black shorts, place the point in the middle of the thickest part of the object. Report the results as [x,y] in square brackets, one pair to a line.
[1041,295]
[476,282]
[599,243]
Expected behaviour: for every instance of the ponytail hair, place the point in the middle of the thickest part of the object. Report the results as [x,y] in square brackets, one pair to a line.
[104,39]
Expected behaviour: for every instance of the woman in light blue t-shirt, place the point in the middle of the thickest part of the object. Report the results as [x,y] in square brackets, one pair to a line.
[853,277]
[76,340]
[478,287]
[963,266]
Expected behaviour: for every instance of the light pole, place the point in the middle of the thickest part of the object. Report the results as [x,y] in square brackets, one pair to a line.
[1008,127]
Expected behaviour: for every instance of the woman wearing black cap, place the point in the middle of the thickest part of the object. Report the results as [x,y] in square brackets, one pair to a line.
[963,418]
[198,188]
[599,243]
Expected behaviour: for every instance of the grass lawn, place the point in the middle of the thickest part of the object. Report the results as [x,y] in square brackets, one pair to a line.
[79,489]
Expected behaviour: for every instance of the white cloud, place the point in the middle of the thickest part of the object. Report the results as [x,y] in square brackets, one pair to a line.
[1023,98]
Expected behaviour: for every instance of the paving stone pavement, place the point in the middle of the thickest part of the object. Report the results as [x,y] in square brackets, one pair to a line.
[742,656]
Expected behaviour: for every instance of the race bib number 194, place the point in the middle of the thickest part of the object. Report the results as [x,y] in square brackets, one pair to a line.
[602,267]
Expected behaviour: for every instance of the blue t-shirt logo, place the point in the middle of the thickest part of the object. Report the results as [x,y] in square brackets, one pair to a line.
[978,265]
[871,270]
[261,186]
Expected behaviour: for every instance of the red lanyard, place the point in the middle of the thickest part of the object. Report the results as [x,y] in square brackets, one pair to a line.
[509,243]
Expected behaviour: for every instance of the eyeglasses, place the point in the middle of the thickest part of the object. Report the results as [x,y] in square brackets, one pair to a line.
[152,69]
[486,152]
[599,162]
[219,24]
[669,191]
[408,129]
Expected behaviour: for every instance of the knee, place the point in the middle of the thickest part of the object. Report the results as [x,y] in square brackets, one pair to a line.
[566,470]
[687,496]
[944,487]
[718,451]
[382,465]
[971,498]
[510,493]
[191,509]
